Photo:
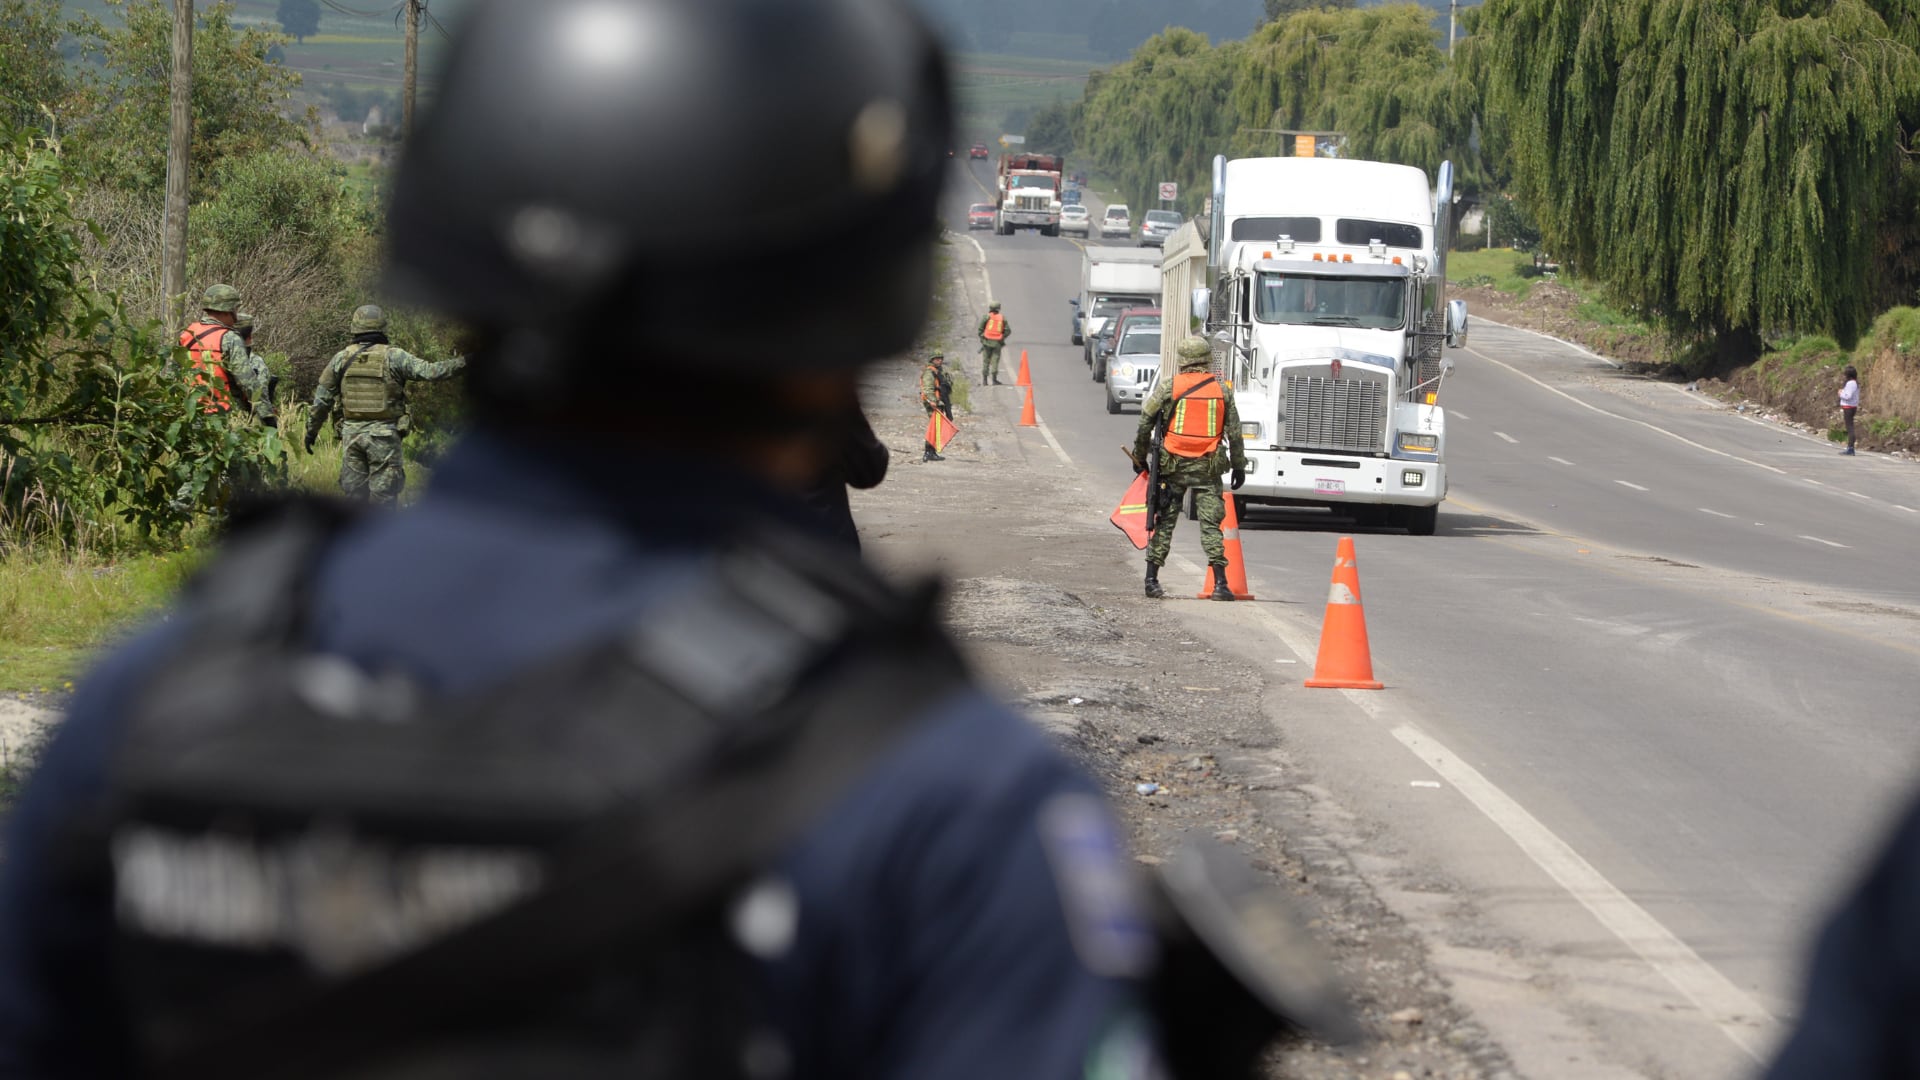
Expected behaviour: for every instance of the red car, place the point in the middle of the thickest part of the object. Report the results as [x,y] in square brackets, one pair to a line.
[980,216]
[978,152]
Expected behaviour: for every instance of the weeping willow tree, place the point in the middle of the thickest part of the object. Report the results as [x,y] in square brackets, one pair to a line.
[1722,165]
[1377,75]
[1161,116]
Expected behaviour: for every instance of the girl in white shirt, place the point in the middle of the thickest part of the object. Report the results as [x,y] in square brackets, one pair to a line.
[1850,404]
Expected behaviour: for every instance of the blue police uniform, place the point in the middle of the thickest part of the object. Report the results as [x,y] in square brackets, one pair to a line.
[1858,1020]
[936,934]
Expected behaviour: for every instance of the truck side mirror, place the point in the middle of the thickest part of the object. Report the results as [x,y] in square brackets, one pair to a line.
[1202,304]
[1456,324]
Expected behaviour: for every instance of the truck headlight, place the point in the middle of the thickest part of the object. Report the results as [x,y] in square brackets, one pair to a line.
[1412,478]
[1250,429]
[1420,444]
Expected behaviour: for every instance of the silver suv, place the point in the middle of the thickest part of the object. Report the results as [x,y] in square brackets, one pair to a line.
[1159,225]
[1116,222]
[1133,364]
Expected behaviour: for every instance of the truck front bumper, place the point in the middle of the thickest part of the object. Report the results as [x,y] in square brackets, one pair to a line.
[1028,219]
[1294,478]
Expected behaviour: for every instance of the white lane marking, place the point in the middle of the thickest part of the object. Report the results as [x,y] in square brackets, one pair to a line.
[1457,415]
[1506,436]
[1717,513]
[1857,495]
[1561,460]
[1738,1016]
[1817,540]
[1047,433]
[1908,509]
[1732,1010]
[1625,419]
[1631,484]
[1811,480]
[1582,349]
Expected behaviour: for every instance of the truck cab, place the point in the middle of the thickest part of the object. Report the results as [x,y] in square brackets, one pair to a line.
[1327,315]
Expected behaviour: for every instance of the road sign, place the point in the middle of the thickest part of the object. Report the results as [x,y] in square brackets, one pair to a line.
[1013,140]
[1169,192]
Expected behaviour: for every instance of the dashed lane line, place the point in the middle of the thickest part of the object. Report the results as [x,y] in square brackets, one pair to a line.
[1506,436]
[1817,540]
[1716,513]
[1631,484]
[1738,1016]
[1908,509]
[1857,495]
[1561,460]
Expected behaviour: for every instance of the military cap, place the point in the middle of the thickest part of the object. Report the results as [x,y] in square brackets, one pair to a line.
[220,298]
[369,319]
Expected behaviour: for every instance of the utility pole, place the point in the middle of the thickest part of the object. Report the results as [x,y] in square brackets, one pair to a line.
[413,64]
[173,260]
[1453,13]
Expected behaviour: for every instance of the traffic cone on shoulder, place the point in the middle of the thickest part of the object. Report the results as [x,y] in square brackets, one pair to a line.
[1027,416]
[1345,661]
[1236,564]
[1026,375]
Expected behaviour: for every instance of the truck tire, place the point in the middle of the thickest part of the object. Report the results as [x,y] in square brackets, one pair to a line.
[1420,520]
[1049,230]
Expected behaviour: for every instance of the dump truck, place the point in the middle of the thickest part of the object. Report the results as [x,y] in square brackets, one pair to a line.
[1029,188]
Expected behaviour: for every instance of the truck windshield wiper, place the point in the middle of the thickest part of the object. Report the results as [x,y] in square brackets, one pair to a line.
[1335,320]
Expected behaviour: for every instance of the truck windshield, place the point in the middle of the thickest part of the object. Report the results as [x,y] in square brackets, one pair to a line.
[1310,300]
[1016,180]
[1141,341]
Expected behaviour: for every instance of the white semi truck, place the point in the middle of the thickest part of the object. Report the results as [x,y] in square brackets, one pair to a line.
[1328,313]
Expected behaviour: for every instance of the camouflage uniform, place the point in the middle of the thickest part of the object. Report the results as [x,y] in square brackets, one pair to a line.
[990,350]
[247,374]
[373,425]
[936,392]
[1201,475]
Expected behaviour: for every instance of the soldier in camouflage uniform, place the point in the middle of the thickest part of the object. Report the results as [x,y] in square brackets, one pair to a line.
[994,332]
[222,360]
[369,377]
[1201,440]
[936,393]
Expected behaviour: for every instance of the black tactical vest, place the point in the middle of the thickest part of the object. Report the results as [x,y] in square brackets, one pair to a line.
[323,871]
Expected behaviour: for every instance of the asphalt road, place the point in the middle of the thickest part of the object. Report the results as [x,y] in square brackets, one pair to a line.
[1674,642]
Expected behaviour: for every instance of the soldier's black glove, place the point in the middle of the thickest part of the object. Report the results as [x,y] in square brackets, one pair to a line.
[1239,477]
[313,435]
[1139,466]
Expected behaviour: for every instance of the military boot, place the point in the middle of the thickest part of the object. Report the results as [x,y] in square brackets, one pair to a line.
[1220,590]
[932,455]
[1154,591]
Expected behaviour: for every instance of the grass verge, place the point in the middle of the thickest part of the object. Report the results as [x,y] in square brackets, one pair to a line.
[56,611]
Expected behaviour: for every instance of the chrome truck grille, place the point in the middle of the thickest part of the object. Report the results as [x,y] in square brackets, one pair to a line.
[1032,202]
[1325,413]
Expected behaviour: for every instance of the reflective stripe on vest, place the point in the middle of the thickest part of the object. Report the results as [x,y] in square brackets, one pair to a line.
[368,390]
[207,360]
[1199,415]
[996,327]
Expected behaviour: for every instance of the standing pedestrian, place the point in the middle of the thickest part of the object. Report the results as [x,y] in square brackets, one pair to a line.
[222,362]
[994,332]
[370,379]
[1191,421]
[936,395]
[1849,404]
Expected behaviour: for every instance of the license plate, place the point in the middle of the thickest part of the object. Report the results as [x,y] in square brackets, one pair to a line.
[1330,487]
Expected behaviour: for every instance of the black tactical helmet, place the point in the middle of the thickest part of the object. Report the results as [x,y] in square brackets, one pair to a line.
[669,169]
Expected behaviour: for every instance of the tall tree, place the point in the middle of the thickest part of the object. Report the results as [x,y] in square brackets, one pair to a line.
[301,18]
[1722,165]
[241,98]
[1275,10]
[33,77]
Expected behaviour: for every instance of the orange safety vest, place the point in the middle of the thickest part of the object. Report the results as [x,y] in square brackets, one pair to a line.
[996,327]
[206,359]
[1199,415]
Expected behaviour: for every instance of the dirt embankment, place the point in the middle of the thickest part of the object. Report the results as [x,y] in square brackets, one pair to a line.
[1553,309]
[1800,385]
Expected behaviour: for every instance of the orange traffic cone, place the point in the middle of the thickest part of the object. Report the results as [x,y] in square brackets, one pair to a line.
[1345,662]
[1026,375]
[1236,564]
[1027,417]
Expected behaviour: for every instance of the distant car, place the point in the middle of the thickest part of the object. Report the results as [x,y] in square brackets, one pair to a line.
[1075,218]
[977,152]
[980,216]
[1117,222]
[1134,363]
[1115,331]
[1159,225]
[1071,196]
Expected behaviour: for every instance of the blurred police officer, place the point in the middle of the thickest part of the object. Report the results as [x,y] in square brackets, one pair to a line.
[956,910]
